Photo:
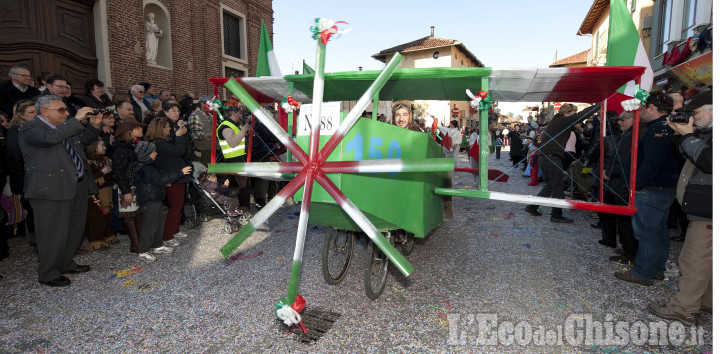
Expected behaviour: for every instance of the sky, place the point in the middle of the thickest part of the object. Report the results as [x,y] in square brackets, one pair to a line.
[509,33]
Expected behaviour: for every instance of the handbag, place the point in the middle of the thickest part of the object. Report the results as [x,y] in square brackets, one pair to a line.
[697,200]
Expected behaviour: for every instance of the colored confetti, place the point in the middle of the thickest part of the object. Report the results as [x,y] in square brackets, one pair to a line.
[508,215]
[240,256]
[126,272]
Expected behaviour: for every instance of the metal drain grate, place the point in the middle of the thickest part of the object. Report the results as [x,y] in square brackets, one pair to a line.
[317,322]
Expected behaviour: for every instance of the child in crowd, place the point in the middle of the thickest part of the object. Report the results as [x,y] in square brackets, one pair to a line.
[534,165]
[220,193]
[98,227]
[150,186]
[498,147]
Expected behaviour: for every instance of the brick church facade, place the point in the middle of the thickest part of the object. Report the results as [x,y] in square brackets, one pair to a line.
[106,39]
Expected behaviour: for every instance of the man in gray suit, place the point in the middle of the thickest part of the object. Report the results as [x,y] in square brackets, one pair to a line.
[58,183]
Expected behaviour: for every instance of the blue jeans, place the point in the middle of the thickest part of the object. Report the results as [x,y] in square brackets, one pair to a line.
[650,228]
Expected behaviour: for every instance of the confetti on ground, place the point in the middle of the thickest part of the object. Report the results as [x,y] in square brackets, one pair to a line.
[240,256]
[527,245]
[280,230]
[508,215]
[126,272]
[139,286]
[494,219]
[495,234]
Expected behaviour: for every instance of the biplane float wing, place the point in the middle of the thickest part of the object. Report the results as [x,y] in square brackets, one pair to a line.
[586,84]
[581,84]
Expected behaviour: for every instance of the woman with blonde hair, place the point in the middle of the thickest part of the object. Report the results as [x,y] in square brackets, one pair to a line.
[22,112]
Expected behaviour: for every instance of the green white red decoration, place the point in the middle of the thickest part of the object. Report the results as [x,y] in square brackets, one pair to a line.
[482,101]
[325,28]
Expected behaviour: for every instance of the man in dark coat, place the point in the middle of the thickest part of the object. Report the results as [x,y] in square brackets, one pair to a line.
[19,87]
[554,139]
[695,259]
[656,180]
[58,183]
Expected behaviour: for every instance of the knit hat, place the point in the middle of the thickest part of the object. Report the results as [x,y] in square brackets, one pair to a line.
[143,149]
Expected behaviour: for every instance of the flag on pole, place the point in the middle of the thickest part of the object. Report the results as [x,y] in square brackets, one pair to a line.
[307,70]
[266,63]
[625,48]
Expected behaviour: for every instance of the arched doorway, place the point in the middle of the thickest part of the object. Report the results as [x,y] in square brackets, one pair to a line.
[56,36]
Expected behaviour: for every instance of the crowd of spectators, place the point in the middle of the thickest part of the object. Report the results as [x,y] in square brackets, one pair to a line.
[115,167]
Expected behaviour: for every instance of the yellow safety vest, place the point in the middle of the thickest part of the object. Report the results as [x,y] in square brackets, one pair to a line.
[227,150]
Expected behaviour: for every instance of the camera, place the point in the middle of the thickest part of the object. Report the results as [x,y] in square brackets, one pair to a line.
[102,111]
[680,117]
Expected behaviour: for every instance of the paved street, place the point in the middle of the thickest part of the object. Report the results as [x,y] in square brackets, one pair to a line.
[530,275]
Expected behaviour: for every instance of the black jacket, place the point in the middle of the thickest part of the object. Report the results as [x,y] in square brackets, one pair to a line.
[9,95]
[557,132]
[657,167]
[170,156]
[150,182]
[123,155]
[516,145]
[92,101]
[263,143]
[16,164]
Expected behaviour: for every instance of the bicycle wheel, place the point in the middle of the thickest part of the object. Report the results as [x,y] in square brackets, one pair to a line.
[337,254]
[376,273]
[408,242]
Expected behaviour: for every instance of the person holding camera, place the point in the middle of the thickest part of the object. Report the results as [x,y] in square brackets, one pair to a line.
[53,150]
[231,135]
[172,155]
[656,178]
[694,191]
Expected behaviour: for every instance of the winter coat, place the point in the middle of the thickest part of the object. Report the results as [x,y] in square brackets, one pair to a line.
[123,155]
[170,156]
[150,182]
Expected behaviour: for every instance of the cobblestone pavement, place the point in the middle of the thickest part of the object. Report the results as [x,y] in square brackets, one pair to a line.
[542,283]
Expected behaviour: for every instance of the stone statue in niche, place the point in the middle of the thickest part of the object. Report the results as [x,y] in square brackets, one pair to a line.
[152,34]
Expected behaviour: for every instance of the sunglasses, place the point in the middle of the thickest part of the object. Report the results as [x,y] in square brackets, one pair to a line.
[61,110]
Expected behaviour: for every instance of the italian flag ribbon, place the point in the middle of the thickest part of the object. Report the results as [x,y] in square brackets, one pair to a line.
[482,101]
[215,105]
[324,28]
[289,104]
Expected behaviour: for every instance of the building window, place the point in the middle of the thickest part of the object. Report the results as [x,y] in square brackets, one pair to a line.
[232,72]
[665,26]
[233,35]
[688,18]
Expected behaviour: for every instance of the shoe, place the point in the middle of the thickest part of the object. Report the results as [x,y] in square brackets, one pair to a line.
[181,234]
[659,276]
[560,219]
[80,269]
[663,311]
[703,308]
[533,212]
[148,257]
[163,249]
[619,251]
[680,238]
[57,282]
[621,259]
[171,243]
[606,243]
[244,219]
[81,251]
[632,278]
